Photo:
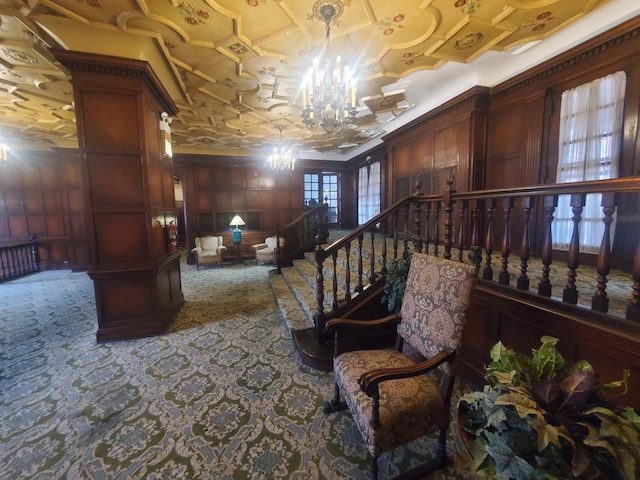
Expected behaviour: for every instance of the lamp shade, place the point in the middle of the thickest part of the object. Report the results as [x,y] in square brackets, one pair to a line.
[236,221]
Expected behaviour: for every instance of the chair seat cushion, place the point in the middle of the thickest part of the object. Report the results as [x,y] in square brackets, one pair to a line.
[409,408]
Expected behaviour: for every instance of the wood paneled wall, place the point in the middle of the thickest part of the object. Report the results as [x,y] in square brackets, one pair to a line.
[449,138]
[41,195]
[217,188]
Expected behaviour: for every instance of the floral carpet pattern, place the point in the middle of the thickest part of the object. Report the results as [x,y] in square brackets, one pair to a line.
[222,395]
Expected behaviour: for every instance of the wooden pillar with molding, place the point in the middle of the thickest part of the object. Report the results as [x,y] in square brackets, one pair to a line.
[129,194]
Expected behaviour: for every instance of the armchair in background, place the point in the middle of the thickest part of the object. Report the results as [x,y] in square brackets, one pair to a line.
[209,250]
[267,252]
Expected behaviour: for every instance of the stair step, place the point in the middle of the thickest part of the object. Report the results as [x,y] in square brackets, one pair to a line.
[294,315]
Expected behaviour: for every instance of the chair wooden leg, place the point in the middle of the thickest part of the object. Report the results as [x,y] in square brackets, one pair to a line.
[374,468]
[334,405]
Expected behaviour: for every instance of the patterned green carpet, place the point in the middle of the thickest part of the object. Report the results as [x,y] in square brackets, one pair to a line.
[221,396]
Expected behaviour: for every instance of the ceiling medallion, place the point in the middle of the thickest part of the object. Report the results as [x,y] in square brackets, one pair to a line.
[282,160]
[329,90]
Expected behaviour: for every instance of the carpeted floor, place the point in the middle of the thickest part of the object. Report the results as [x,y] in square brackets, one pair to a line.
[221,396]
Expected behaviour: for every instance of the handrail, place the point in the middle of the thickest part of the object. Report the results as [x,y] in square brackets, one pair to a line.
[428,222]
[301,233]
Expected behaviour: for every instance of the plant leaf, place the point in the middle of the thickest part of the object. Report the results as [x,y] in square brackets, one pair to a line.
[508,464]
[546,360]
[578,387]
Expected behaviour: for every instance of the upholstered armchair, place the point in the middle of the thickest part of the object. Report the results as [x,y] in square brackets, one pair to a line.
[267,251]
[208,251]
[396,397]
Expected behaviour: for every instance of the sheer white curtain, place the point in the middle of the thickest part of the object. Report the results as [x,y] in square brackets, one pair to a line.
[589,147]
[368,192]
[363,185]
[373,191]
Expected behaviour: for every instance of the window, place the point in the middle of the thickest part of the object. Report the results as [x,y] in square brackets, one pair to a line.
[368,192]
[323,187]
[589,147]
[311,189]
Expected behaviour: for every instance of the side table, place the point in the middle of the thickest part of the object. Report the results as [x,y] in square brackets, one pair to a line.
[238,253]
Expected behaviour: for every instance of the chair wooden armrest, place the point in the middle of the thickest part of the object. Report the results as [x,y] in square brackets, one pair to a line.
[369,381]
[259,246]
[337,323]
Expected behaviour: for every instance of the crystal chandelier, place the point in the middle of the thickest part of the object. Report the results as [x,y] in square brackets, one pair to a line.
[329,90]
[282,158]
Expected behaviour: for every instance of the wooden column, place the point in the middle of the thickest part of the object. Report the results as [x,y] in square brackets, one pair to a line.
[129,193]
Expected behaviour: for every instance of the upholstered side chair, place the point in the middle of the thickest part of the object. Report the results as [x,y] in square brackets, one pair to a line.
[209,251]
[267,252]
[394,397]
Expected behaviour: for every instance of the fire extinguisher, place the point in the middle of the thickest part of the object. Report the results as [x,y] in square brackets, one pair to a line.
[172,235]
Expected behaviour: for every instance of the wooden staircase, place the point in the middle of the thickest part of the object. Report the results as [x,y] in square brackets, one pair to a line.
[296,295]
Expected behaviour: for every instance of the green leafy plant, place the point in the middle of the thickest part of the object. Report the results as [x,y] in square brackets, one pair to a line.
[396,282]
[539,418]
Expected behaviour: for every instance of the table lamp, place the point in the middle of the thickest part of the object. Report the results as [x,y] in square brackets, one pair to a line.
[237,233]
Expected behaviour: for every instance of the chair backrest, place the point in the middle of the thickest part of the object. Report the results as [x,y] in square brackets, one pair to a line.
[209,242]
[272,242]
[435,303]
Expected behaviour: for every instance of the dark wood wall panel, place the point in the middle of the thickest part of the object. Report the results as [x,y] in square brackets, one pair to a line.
[441,140]
[115,118]
[115,181]
[41,195]
[120,237]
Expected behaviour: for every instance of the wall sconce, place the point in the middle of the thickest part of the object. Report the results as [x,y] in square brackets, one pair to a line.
[165,135]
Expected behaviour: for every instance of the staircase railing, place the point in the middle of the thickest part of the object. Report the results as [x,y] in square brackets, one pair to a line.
[450,223]
[301,234]
[18,259]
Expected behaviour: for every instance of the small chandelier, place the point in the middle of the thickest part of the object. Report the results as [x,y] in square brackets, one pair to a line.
[282,158]
[329,90]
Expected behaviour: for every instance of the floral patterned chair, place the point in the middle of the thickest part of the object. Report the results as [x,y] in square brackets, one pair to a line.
[393,398]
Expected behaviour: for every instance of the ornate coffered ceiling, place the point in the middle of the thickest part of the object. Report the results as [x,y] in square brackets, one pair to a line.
[234,67]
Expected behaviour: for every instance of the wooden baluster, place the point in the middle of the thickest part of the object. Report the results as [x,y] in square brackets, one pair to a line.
[487,271]
[550,204]
[633,309]
[396,217]
[462,229]
[570,292]
[278,266]
[448,222]
[436,228]
[319,319]
[3,265]
[416,228]
[372,259]
[600,301]
[525,244]
[427,222]
[347,273]
[15,266]
[503,278]
[34,255]
[476,211]
[360,286]
[334,256]
[384,251]
[406,230]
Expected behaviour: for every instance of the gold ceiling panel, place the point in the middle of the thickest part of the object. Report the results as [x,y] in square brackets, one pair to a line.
[234,68]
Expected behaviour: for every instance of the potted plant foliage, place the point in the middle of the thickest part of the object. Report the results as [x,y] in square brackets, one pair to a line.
[396,282]
[540,418]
